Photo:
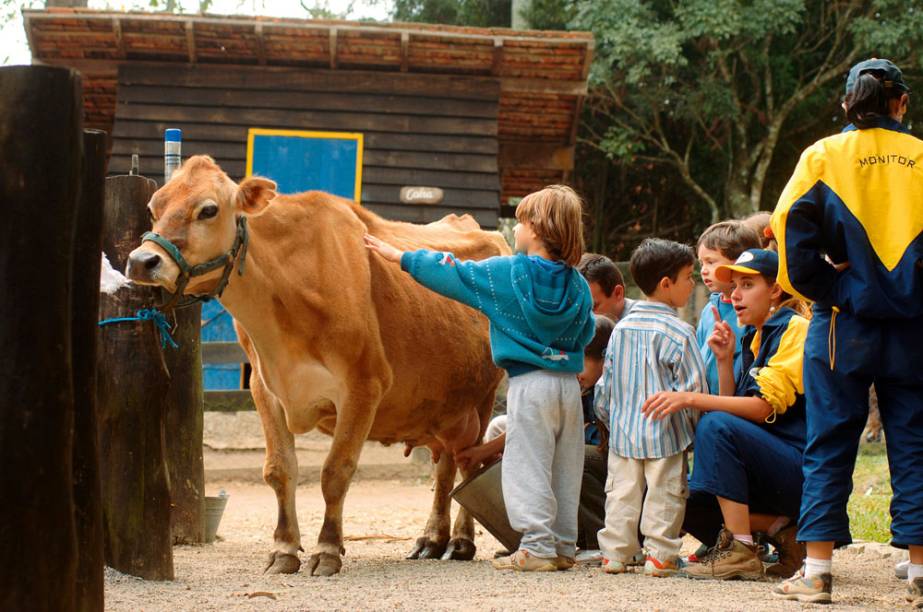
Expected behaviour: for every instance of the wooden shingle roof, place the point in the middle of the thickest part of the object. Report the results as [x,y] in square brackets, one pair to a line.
[542,75]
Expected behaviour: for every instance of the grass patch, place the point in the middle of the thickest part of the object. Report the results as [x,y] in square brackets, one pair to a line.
[869,513]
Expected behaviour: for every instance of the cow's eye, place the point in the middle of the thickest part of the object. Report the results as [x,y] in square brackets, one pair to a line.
[208,211]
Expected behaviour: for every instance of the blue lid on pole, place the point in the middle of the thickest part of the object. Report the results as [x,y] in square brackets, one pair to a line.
[173,135]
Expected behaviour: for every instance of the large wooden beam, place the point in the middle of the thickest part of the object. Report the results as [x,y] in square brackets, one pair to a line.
[41,144]
[88,511]
[132,381]
[536,156]
[184,422]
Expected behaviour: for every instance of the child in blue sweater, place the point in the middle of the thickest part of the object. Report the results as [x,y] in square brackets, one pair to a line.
[540,312]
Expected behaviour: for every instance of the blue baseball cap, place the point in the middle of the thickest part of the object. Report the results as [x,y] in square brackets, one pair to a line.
[890,75]
[752,261]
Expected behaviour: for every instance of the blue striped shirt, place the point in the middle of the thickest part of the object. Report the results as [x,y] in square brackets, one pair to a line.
[651,350]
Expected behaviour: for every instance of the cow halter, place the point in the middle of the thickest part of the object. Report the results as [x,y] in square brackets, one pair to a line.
[237,253]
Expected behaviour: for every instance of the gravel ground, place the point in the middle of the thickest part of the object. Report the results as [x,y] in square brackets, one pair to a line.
[383,518]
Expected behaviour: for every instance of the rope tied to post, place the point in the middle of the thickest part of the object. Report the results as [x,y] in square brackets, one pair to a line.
[148,314]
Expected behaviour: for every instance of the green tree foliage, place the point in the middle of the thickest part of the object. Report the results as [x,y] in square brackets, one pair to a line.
[479,13]
[712,88]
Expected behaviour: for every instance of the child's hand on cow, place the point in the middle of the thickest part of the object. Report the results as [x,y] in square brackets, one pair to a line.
[666,403]
[383,248]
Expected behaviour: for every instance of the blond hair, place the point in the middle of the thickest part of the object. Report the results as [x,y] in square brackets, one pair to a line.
[556,216]
[759,222]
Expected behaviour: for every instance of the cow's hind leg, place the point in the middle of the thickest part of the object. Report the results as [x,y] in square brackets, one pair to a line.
[461,547]
[354,420]
[436,534]
[280,471]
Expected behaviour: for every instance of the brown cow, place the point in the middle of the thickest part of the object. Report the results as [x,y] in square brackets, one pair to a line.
[339,339]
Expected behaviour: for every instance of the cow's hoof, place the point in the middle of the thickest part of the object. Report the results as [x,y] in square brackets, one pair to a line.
[459,549]
[324,564]
[282,563]
[426,548]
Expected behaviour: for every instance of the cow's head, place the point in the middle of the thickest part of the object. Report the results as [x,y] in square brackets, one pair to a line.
[197,211]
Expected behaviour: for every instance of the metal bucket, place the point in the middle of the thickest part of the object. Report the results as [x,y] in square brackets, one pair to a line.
[481,494]
[214,509]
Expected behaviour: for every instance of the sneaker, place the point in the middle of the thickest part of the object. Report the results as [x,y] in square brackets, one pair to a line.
[791,553]
[729,559]
[915,593]
[699,554]
[900,570]
[816,589]
[611,566]
[524,561]
[563,563]
[638,560]
[590,557]
[662,569]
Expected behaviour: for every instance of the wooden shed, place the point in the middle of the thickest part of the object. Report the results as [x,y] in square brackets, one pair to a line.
[485,115]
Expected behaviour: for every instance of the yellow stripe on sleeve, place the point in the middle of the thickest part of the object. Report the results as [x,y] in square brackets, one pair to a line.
[781,381]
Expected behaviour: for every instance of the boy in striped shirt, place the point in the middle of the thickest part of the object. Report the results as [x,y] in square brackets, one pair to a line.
[651,350]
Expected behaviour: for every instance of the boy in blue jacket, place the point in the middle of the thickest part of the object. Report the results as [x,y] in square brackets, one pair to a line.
[720,245]
[540,312]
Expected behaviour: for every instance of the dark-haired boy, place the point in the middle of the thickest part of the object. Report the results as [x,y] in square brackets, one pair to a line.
[606,286]
[651,350]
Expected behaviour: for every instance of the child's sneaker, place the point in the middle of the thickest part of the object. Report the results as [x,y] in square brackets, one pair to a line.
[611,566]
[563,563]
[915,593]
[901,569]
[638,560]
[816,589]
[729,559]
[590,557]
[662,569]
[699,555]
[523,561]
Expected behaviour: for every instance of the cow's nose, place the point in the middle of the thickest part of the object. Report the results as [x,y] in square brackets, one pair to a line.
[141,265]
[149,260]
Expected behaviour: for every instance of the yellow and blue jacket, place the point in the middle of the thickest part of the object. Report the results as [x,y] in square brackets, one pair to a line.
[771,368]
[856,197]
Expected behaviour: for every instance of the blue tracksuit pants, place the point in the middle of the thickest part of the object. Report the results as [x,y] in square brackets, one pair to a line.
[843,356]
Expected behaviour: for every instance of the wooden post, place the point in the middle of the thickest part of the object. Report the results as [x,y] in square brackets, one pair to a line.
[86,264]
[40,145]
[132,382]
[184,424]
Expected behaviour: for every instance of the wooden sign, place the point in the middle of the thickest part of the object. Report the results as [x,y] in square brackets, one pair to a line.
[421,195]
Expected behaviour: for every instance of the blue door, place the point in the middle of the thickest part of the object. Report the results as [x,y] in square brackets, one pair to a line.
[297,161]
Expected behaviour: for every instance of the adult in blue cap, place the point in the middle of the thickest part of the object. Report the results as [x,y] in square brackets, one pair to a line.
[850,230]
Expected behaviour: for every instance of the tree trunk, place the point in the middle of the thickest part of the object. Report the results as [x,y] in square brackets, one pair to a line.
[737,189]
[40,145]
[132,381]
[184,423]
[86,264]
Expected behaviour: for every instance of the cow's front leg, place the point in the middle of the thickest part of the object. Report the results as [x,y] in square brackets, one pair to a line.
[436,534]
[354,420]
[280,471]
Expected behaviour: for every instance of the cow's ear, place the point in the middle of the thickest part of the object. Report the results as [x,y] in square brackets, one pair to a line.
[254,194]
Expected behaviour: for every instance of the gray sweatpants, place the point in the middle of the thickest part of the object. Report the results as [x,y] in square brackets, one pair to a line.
[543,461]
